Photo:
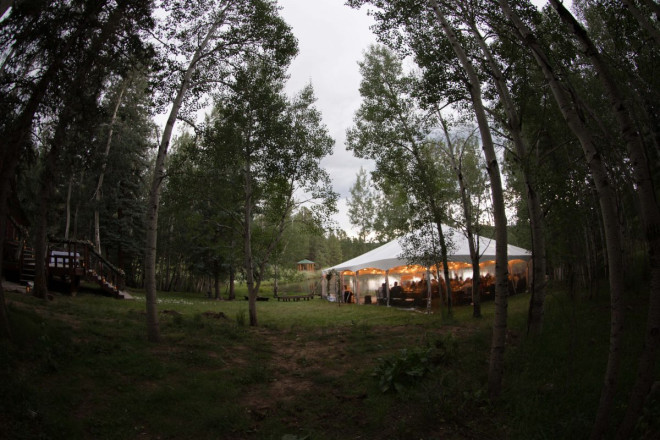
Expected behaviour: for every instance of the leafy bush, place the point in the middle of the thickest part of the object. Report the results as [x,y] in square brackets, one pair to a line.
[408,367]
[403,370]
[445,349]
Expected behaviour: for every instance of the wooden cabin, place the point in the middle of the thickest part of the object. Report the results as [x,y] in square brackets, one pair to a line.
[15,238]
[67,261]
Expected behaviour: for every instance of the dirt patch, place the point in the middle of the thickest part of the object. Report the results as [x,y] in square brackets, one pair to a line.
[299,362]
[289,366]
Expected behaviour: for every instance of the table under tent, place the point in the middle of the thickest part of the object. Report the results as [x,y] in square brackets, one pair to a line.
[371,277]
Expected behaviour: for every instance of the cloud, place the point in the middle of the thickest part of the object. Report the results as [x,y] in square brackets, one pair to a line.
[332,39]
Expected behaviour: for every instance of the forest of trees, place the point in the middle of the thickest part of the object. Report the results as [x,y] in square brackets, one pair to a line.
[241,194]
[570,100]
[541,124]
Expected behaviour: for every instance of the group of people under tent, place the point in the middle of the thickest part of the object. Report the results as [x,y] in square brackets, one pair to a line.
[415,292]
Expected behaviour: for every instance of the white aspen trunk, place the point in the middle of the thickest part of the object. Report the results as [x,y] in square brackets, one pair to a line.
[247,246]
[272,247]
[467,212]
[153,331]
[538,286]
[99,185]
[568,107]
[4,5]
[496,364]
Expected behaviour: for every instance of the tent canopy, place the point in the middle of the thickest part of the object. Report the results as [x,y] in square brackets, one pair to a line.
[390,254]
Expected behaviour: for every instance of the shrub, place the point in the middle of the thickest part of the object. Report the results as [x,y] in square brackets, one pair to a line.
[409,367]
[403,370]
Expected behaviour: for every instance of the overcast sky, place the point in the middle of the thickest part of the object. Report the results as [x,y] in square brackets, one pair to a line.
[331,40]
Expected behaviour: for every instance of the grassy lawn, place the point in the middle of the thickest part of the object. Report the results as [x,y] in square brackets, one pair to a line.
[81,368]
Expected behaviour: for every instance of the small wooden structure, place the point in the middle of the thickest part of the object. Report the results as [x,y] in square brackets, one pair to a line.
[306,266]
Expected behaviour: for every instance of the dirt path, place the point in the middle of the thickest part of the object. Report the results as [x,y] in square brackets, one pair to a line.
[330,370]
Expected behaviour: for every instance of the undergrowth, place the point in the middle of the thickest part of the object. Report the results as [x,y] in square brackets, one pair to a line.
[82,368]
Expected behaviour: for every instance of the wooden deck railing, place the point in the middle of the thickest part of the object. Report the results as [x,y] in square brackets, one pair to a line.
[78,258]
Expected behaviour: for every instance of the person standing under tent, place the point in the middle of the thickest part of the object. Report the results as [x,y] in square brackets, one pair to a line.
[347,294]
[396,291]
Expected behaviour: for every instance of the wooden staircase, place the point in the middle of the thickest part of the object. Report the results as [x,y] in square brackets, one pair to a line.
[74,260]
[67,263]
[107,286]
[28,267]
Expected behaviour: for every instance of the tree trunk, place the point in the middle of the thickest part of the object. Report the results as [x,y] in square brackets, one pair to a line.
[65,119]
[120,254]
[538,286]
[41,230]
[275,288]
[568,106]
[539,263]
[15,137]
[496,365]
[153,331]
[173,280]
[445,267]
[232,282]
[643,19]
[46,189]
[216,279]
[76,210]
[5,328]
[68,208]
[276,240]
[649,209]
[4,5]
[106,153]
[247,246]
[467,213]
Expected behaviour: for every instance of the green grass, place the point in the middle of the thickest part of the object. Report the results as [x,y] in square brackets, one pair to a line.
[82,368]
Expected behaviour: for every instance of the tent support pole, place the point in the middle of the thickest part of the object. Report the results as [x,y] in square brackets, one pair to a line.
[324,286]
[428,290]
[387,286]
[357,287]
[343,288]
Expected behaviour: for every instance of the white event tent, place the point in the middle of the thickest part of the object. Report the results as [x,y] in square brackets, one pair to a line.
[388,259]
